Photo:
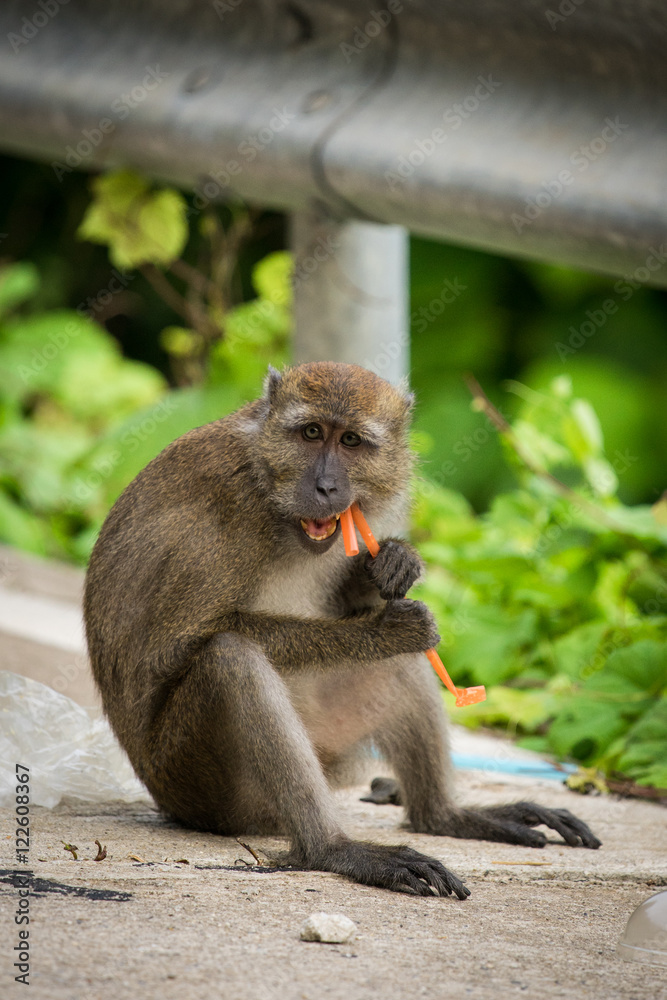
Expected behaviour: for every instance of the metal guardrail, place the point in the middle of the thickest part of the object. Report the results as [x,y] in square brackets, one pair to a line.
[531,127]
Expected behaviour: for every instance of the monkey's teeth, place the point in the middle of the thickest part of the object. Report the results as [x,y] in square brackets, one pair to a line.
[322,537]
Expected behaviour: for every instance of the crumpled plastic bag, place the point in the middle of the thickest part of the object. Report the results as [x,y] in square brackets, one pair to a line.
[68,750]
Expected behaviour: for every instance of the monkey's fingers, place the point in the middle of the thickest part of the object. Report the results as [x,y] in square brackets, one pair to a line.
[394,569]
[412,625]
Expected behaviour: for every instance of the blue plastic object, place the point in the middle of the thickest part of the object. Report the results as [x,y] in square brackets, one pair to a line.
[527,769]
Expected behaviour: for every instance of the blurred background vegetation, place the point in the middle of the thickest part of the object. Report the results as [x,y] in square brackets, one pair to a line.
[129,315]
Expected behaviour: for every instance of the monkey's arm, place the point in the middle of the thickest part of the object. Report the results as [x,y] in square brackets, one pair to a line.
[397,627]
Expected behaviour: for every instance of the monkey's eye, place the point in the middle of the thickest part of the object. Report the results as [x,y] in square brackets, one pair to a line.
[350,439]
[312,432]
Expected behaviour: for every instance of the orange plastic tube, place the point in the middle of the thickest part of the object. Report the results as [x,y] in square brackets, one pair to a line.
[352,518]
[349,535]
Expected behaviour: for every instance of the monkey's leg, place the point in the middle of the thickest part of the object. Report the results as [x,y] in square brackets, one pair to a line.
[416,745]
[232,751]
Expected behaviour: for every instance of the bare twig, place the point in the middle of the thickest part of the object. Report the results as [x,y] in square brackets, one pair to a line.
[630,789]
[192,312]
[166,291]
[192,276]
[535,863]
[248,848]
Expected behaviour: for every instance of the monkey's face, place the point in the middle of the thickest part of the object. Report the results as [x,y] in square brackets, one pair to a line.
[333,434]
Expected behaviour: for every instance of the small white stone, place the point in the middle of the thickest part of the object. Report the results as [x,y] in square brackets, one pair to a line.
[332,928]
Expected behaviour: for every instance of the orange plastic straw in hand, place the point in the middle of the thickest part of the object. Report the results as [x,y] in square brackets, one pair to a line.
[353,517]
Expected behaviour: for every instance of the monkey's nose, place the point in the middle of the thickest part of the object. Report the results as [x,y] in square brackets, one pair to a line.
[326,486]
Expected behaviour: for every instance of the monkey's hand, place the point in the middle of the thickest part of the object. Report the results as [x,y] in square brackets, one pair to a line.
[394,569]
[406,626]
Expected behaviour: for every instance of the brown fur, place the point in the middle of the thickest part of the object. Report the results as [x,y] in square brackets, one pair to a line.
[244,666]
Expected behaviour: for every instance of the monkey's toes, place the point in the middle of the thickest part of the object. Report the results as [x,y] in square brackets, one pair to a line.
[528,814]
[573,830]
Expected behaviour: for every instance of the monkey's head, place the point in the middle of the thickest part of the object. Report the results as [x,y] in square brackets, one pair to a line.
[332,434]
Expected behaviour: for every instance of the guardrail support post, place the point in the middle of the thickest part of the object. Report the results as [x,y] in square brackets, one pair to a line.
[351,293]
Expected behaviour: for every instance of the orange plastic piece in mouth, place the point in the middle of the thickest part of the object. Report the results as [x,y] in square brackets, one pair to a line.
[349,536]
[353,517]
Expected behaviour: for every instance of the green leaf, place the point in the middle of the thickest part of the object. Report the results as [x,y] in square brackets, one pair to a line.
[582,649]
[488,643]
[138,225]
[588,425]
[20,527]
[511,709]
[272,278]
[642,665]
[163,226]
[180,341]
[645,756]
[584,728]
[18,283]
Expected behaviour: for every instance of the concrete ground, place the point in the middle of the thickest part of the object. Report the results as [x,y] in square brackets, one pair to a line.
[174,914]
[538,923]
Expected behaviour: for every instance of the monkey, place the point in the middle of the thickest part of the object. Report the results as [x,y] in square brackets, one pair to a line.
[248,666]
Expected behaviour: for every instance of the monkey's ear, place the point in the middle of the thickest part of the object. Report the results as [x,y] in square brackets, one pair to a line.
[271,383]
[408,397]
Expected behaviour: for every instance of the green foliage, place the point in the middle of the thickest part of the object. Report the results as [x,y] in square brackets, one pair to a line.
[556,600]
[498,318]
[138,225]
[257,333]
[78,420]
[63,385]
[557,597]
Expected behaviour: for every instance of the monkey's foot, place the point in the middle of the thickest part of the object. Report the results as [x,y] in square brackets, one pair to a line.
[397,868]
[528,814]
[511,824]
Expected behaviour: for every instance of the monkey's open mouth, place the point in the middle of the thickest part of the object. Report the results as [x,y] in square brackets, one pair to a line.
[319,530]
